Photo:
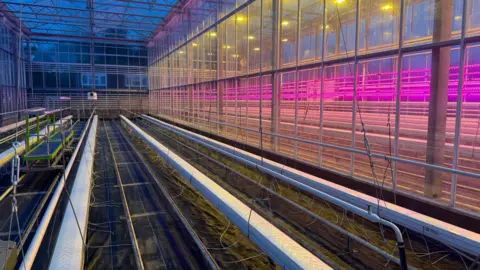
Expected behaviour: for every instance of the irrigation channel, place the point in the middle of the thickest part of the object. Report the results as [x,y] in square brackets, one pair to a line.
[338,237]
[143,215]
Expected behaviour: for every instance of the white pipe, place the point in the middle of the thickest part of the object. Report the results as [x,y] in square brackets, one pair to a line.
[47,216]
[7,155]
[68,252]
[452,235]
[281,248]
[345,205]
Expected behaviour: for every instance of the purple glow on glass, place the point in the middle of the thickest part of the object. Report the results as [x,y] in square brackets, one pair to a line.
[415,86]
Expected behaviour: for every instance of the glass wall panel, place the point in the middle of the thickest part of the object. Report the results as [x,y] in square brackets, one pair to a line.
[379,25]
[473,19]
[266,110]
[287,113]
[311,30]
[317,103]
[308,114]
[432,21]
[222,50]
[230,47]
[337,115]
[288,32]
[427,122]
[376,97]
[469,143]
[240,55]
[267,34]
[340,28]
[254,31]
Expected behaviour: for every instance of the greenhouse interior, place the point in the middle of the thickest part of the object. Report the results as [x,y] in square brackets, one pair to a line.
[240,134]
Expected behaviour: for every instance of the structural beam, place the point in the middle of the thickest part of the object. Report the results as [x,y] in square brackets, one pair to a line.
[437,107]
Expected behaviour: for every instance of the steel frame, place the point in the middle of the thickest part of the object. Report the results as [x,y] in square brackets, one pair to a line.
[138,17]
[399,51]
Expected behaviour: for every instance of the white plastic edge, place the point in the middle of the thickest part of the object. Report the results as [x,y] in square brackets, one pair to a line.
[68,252]
[287,253]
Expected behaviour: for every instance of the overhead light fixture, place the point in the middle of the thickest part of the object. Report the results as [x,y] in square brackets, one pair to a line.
[234,55]
[210,54]
[387,7]
[228,47]
[251,37]
[180,52]
[284,40]
[284,23]
[240,18]
[256,49]
[458,18]
[194,44]
[339,1]
[213,34]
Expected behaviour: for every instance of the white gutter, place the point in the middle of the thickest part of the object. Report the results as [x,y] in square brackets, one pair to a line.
[47,216]
[444,232]
[8,154]
[369,215]
[287,253]
[68,252]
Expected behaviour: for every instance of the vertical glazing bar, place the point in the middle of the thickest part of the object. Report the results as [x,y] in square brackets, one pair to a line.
[397,97]
[297,52]
[247,78]
[458,110]
[31,66]
[237,81]
[275,111]
[354,99]
[219,93]
[260,124]
[322,67]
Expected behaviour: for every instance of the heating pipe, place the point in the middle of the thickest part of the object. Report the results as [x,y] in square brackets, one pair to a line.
[287,253]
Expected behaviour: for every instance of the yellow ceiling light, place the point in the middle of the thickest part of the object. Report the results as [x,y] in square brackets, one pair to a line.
[458,18]
[284,23]
[213,34]
[228,47]
[387,7]
[284,40]
[256,49]
[180,52]
[210,54]
[240,18]
[339,1]
[194,44]
[251,37]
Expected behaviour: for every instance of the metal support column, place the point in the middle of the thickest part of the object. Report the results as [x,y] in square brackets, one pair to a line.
[437,108]
[322,68]
[297,52]
[276,78]
[458,109]
[397,97]
[354,96]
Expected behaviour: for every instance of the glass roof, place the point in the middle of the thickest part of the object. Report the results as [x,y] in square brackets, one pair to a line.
[115,19]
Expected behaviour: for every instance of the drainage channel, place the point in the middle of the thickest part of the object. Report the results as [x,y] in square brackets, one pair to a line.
[131,223]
